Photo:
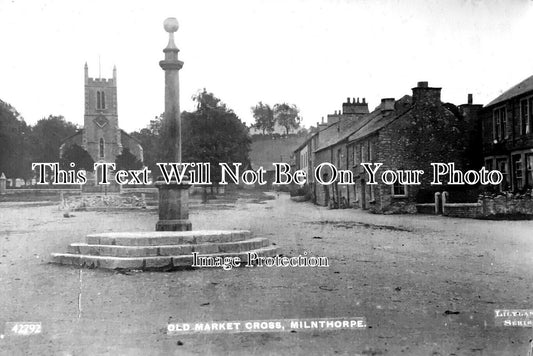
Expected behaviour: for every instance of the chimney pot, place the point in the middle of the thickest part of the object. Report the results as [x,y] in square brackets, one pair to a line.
[364,102]
[348,100]
[422,93]
[387,104]
[470,99]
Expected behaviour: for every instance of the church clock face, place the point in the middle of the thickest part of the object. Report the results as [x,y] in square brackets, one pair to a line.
[101,121]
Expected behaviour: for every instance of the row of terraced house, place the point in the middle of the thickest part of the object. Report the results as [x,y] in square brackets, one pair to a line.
[412,132]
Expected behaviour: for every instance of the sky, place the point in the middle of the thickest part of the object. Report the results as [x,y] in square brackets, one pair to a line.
[313,54]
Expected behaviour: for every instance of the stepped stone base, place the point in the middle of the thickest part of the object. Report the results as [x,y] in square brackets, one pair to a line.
[161,250]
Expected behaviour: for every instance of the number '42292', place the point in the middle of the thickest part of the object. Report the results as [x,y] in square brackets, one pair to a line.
[25,328]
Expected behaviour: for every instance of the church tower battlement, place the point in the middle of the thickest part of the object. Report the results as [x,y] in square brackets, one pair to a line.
[101,134]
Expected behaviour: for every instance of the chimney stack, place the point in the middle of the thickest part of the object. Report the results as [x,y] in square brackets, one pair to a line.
[387,104]
[426,95]
[470,99]
[354,107]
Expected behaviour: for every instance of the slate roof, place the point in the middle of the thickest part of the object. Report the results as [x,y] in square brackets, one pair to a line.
[354,125]
[521,88]
[72,137]
[124,133]
[327,137]
[381,119]
[307,138]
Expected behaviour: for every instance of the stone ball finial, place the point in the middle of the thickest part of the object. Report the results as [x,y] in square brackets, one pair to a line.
[171,25]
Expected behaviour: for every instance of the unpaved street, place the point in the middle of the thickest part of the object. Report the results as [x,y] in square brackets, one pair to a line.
[427,285]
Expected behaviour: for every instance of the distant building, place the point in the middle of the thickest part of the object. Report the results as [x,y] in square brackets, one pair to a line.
[101,136]
[268,149]
[508,136]
[278,129]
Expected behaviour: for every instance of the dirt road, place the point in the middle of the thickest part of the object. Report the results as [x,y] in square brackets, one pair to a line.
[427,285]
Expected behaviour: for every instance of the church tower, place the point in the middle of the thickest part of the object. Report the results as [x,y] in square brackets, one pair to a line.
[101,133]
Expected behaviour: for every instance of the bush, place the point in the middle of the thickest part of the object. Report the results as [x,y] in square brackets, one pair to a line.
[298,191]
[302,191]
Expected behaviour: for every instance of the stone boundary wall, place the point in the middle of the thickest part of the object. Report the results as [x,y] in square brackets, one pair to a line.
[463,210]
[499,206]
[508,205]
[42,191]
[426,208]
[148,190]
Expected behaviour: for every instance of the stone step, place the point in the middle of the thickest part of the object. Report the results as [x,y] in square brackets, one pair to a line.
[165,238]
[167,250]
[150,263]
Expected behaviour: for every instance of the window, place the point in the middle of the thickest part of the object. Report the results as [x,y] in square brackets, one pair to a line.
[361,158]
[530,118]
[102,148]
[369,152]
[399,190]
[497,132]
[524,116]
[502,166]
[518,171]
[100,100]
[488,164]
[529,170]
[499,124]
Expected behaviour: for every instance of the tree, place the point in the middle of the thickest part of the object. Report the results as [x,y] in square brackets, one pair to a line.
[264,117]
[126,160]
[213,133]
[153,142]
[287,116]
[47,136]
[77,155]
[14,154]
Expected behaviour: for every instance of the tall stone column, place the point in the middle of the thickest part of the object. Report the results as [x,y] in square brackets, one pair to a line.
[173,198]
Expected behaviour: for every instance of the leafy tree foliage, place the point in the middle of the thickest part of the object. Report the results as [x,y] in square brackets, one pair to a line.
[14,155]
[287,116]
[152,142]
[213,133]
[81,158]
[126,160]
[264,117]
[47,136]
